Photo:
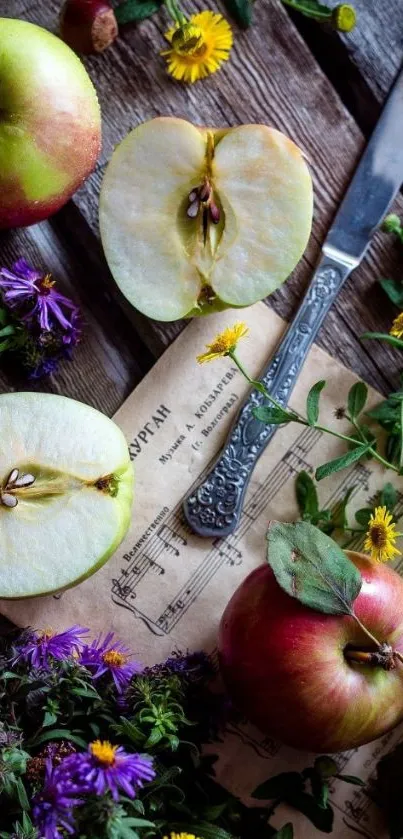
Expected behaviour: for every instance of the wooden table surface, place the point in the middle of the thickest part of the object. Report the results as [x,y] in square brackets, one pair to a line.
[323,89]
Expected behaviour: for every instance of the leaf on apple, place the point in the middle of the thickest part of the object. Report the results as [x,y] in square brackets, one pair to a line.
[312,568]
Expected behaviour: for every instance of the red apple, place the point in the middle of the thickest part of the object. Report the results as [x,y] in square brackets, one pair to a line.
[88,26]
[286,668]
[50,128]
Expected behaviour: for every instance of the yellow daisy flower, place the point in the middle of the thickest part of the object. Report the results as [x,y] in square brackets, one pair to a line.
[198,46]
[224,343]
[181,836]
[397,326]
[381,536]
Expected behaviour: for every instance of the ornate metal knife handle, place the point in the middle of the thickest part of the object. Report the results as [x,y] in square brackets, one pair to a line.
[214,508]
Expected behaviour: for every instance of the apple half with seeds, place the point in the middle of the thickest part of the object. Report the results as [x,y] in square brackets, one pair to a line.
[66,489]
[195,220]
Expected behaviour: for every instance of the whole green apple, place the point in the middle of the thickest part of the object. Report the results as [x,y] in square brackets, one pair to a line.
[66,490]
[50,128]
[296,673]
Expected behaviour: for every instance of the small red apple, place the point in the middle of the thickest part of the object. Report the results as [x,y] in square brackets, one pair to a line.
[50,123]
[88,26]
[287,668]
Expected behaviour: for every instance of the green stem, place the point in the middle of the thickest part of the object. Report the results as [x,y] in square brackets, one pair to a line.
[299,7]
[364,629]
[175,12]
[355,529]
[371,451]
[261,388]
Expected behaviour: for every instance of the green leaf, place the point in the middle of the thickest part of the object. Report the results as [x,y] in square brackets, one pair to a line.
[279,786]
[49,719]
[204,830]
[307,497]
[7,330]
[339,515]
[394,289]
[388,497]
[325,766]
[285,832]
[312,402]
[363,516]
[389,339]
[341,462]
[321,818]
[134,822]
[357,398]
[351,779]
[312,568]
[58,734]
[393,448]
[271,415]
[133,11]
[241,11]
[22,795]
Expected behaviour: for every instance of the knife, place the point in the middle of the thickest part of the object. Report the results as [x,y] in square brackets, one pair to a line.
[214,507]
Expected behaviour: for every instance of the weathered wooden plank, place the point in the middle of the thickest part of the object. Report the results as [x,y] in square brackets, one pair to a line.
[108,362]
[272,77]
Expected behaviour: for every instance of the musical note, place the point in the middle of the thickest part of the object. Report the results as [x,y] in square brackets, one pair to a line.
[170,537]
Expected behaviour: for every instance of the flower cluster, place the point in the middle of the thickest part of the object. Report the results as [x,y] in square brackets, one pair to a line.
[78,766]
[38,323]
[102,769]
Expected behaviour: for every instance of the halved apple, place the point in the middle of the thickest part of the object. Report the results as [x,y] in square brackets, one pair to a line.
[66,487]
[195,220]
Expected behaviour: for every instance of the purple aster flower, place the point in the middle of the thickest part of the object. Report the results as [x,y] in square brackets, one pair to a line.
[44,368]
[24,285]
[108,656]
[52,808]
[38,649]
[107,768]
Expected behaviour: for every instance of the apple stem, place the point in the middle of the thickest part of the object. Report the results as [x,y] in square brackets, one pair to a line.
[367,632]
[385,658]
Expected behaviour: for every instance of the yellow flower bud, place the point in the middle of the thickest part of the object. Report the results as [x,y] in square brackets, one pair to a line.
[344,17]
[187,39]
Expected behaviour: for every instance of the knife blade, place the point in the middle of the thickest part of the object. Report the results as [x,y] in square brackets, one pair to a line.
[214,508]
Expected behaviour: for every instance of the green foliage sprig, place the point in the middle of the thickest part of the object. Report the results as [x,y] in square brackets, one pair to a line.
[361,443]
[306,791]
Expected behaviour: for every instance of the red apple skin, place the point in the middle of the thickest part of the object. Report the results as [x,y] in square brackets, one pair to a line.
[50,124]
[284,664]
[88,26]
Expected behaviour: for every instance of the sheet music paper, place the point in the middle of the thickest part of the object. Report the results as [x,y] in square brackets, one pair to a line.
[166,588]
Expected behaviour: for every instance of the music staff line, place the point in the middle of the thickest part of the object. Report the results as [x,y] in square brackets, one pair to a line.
[221,552]
[224,551]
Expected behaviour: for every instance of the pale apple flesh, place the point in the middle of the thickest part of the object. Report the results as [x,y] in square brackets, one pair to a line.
[286,667]
[50,130]
[63,525]
[170,264]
